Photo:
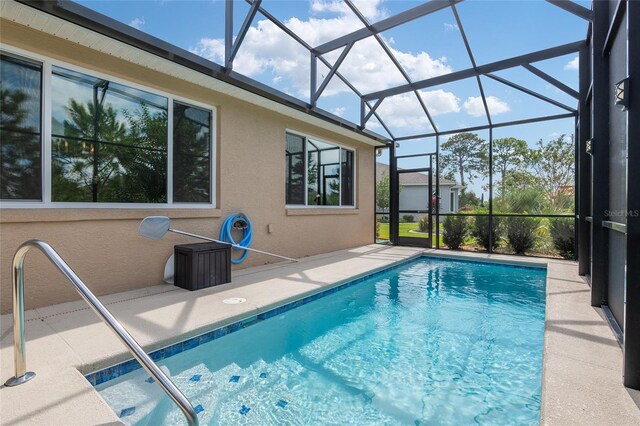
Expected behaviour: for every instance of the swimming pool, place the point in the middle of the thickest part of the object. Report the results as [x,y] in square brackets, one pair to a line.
[433,341]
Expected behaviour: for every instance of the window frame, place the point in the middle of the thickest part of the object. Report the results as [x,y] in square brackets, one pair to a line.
[46,139]
[307,136]
[42,128]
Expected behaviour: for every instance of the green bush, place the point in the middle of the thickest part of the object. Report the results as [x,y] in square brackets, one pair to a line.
[408,218]
[481,231]
[563,235]
[521,233]
[384,219]
[454,231]
[423,224]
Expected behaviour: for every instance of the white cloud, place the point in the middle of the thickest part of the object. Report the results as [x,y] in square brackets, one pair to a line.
[421,65]
[440,102]
[475,107]
[270,53]
[573,65]
[404,111]
[369,8]
[137,23]
[339,111]
[450,27]
[373,124]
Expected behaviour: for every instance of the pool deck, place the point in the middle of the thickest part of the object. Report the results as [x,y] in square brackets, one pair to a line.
[582,374]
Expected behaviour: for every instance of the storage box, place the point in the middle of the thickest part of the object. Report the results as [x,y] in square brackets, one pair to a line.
[202,265]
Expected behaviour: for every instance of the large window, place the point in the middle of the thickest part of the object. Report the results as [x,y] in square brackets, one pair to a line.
[318,173]
[20,129]
[108,142]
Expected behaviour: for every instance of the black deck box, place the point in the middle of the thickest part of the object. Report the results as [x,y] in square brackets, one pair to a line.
[202,265]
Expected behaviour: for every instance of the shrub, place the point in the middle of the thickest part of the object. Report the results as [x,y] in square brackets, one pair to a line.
[407,218]
[521,233]
[384,219]
[423,224]
[481,231]
[454,231]
[563,236]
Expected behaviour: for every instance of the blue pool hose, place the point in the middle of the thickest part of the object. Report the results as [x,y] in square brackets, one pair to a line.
[225,234]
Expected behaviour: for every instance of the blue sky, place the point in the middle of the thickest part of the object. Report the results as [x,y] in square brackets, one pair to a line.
[426,47]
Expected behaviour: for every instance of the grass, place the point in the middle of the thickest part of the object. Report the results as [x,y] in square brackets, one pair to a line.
[383,233]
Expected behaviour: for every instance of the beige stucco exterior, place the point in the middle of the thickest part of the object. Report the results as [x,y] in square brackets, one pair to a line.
[103,246]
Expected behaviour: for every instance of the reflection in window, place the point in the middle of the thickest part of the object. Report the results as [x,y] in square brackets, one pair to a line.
[347,177]
[294,152]
[329,173]
[20,129]
[323,174]
[191,154]
[109,141]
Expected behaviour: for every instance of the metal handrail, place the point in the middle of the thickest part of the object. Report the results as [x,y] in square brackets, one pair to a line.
[22,376]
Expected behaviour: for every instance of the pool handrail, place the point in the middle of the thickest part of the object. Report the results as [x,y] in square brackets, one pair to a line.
[21,373]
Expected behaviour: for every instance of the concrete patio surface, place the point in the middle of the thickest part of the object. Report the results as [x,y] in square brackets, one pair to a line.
[582,378]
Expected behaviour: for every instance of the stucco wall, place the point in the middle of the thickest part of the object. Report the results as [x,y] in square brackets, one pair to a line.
[102,245]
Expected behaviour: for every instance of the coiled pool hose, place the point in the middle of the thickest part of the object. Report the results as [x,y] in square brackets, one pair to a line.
[240,221]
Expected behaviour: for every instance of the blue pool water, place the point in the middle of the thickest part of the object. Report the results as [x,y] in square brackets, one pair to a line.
[431,342]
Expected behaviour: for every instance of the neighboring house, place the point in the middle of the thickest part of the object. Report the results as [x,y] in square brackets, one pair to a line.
[176,136]
[415,190]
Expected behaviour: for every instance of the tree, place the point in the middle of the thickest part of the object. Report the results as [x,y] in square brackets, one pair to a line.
[102,158]
[465,154]
[19,148]
[77,168]
[382,192]
[192,156]
[517,180]
[553,165]
[525,200]
[468,199]
[509,155]
[143,160]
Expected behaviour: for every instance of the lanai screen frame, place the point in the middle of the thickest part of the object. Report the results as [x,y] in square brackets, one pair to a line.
[369,102]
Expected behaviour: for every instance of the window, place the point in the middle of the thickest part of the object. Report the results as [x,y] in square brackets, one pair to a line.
[109,142]
[295,181]
[191,154]
[318,173]
[20,129]
[452,201]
